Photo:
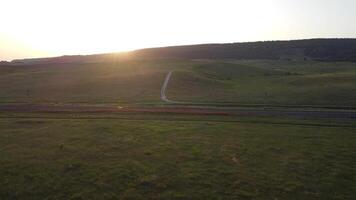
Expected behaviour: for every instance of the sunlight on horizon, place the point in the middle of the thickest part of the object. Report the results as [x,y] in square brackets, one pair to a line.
[38,28]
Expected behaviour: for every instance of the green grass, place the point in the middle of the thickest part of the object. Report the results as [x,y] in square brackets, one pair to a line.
[58,156]
[122,82]
[204,81]
[143,156]
[267,82]
[167,156]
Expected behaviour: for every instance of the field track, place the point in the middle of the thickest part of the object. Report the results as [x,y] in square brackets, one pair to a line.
[190,110]
[164,88]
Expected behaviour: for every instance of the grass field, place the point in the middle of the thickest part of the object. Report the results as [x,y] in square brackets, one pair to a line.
[65,156]
[120,82]
[49,153]
[267,82]
[197,81]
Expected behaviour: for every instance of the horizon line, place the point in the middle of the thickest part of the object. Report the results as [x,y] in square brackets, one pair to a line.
[180,45]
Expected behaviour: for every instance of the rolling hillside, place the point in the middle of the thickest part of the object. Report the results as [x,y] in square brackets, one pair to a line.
[313,49]
[238,82]
[95,127]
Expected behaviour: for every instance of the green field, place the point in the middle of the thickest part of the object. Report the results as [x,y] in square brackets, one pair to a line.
[267,82]
[194,81]
[62,156]
[120,82]
[76,154]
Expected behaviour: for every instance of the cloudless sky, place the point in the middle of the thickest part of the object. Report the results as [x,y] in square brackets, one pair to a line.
[38,28]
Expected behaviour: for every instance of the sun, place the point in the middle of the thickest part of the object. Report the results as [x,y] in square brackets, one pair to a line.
[88,27]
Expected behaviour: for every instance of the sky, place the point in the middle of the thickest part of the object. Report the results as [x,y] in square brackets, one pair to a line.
[42,28]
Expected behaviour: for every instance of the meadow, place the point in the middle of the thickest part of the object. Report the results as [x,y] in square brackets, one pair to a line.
[121,82]
[109,156]
[86,154]
[267,82]
[252,82]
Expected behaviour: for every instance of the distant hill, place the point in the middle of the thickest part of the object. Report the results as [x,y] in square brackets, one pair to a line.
[312,49]
[96,58]
[4,63]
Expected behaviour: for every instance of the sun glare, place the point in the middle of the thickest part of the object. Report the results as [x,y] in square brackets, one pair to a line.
[85,27]
[45,27]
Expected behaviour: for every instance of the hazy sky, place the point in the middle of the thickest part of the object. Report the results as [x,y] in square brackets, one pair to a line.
[36,28]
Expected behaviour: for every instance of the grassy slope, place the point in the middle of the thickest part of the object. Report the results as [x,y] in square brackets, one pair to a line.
[240,82]
[154,159]
[267,82]
[121,82]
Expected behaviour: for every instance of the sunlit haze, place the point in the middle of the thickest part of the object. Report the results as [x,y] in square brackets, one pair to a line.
[39,28]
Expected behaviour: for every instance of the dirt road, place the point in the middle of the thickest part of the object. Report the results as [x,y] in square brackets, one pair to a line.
[164,88]
[177,109]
